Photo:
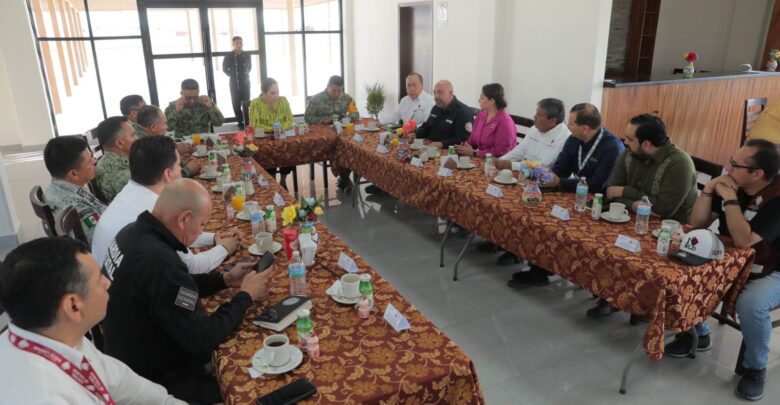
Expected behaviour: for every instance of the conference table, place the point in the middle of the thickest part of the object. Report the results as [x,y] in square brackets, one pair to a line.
[361,360]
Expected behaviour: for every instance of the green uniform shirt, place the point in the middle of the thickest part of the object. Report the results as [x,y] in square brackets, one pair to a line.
[60,195]
[112,173]
[137,128]
[140,132]
[322,108]
[193,120]
[668,179]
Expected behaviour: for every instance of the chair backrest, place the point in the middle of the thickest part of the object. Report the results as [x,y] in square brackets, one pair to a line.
[524,122]
[753,108]
[43,211]
[93,187]
[69,224]
[705,171]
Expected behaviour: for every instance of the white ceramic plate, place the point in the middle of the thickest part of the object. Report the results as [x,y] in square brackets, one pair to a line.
[609,218]
[253,249]
[468,166]
[372,130]
[196,154]
[296,358]
[497,180]
[243,216]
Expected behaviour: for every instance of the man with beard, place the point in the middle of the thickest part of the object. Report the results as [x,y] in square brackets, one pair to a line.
[653,167]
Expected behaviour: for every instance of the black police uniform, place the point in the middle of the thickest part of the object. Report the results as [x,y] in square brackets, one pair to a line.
[238,67]
[154,322]
[448,126]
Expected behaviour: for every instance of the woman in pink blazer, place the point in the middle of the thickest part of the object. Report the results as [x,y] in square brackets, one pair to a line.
[494,131]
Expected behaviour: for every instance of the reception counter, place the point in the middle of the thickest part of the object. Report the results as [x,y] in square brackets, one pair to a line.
[703,114]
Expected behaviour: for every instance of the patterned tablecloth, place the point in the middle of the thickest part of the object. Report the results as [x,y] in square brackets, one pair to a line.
[316,145]
[673,296]
[362,360]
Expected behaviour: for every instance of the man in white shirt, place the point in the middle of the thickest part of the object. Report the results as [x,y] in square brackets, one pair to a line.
[416,104]
[54,292]
[154,162]
[544,141]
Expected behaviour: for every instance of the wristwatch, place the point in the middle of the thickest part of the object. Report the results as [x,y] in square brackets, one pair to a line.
[731,202]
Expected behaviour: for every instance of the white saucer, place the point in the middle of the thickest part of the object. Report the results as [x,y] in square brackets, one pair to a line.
[497,180]
[196,154]
[296,358]
[609,218]
[372,130]
[334,291]
[216,188]
[470,166]
[242,216]
[253,249]
[206,177]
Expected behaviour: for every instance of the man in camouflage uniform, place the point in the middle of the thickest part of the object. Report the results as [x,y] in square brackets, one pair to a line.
[191,113]
[72,166]
[116,136]
[154,123]
[129,106]
[331,101]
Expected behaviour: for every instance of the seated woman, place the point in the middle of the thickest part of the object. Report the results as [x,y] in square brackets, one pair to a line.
[494,131]
[267,109]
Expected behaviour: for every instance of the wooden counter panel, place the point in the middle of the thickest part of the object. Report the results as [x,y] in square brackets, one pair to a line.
[703,118]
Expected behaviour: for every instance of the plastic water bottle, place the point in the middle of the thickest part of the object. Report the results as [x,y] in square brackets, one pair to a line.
[304,326]
[490,166]
[277,130]
[643,215]
[581,199]
[257,217]
[297,272]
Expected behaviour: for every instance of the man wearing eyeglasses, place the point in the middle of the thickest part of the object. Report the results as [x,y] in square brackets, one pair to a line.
[746,201]
[192,113]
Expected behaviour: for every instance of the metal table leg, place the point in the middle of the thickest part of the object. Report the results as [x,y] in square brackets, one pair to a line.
[355,189]
[627,368]
[695,345]
[460,256]
[443,242]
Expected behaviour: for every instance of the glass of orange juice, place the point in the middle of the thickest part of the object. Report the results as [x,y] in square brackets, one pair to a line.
[238,202]
[350,128]
[196,139]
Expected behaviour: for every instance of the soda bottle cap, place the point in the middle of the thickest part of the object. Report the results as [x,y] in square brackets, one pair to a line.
[304,313]
[365,277]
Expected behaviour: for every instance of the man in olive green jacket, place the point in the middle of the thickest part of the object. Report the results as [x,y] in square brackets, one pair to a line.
[651,166]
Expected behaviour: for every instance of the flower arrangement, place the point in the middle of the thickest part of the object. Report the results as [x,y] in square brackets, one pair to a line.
[241,147]
[409,127]
[307,209]
[535,171]
[774,54]
[690,57]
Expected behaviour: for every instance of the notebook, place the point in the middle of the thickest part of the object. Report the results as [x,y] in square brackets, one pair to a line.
[282,314]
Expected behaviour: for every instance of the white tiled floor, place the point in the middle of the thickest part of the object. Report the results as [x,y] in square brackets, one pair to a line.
[530,347]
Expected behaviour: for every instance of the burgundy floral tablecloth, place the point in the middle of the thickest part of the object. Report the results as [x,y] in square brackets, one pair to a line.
[582,250]
[362,360]
[316,145]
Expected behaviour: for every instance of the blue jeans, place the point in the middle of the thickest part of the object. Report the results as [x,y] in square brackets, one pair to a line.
[753,305]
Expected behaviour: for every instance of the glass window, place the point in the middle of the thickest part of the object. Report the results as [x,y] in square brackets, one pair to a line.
[285,64]
[73,87]
[122,71]
[222,83]
[323,60]
[174,30]
[321,15]
[170,73]
[114,17]
[279,17]
[64,20]
[225,23]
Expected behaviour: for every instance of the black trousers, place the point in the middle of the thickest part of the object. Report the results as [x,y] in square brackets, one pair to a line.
[195,387]
[238,94]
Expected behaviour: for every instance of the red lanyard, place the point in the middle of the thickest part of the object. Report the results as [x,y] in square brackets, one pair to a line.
[85,375]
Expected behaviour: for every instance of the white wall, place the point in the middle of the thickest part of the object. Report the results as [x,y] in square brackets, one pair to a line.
[555,48]
[22,92]
[725,34]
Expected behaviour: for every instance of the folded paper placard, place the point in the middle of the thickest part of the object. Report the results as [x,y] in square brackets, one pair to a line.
[630,244]
[278,199]
[494,190]
[444,172]
[560,213]
[395,319]
[347,263]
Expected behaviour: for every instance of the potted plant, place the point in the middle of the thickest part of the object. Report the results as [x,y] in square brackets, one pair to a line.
[534,173]
[375,99]
[771,64]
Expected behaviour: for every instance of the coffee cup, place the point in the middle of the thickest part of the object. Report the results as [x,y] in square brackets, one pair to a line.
[345,121]
[672,224]
[372,126]
[464,161]
[618,210]
[276,350]
[264,242]
[248,207]
[505,176]
[210,170]
[350,285]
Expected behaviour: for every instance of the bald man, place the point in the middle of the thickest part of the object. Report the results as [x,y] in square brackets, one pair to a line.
[155,323]
[449,122]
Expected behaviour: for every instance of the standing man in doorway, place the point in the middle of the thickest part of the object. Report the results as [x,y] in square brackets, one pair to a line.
[237,66]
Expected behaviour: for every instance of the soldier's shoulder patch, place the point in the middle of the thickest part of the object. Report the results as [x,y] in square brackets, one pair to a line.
[186,298]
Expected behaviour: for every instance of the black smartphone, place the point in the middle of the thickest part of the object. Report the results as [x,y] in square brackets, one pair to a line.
[265,262]
[291,393]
